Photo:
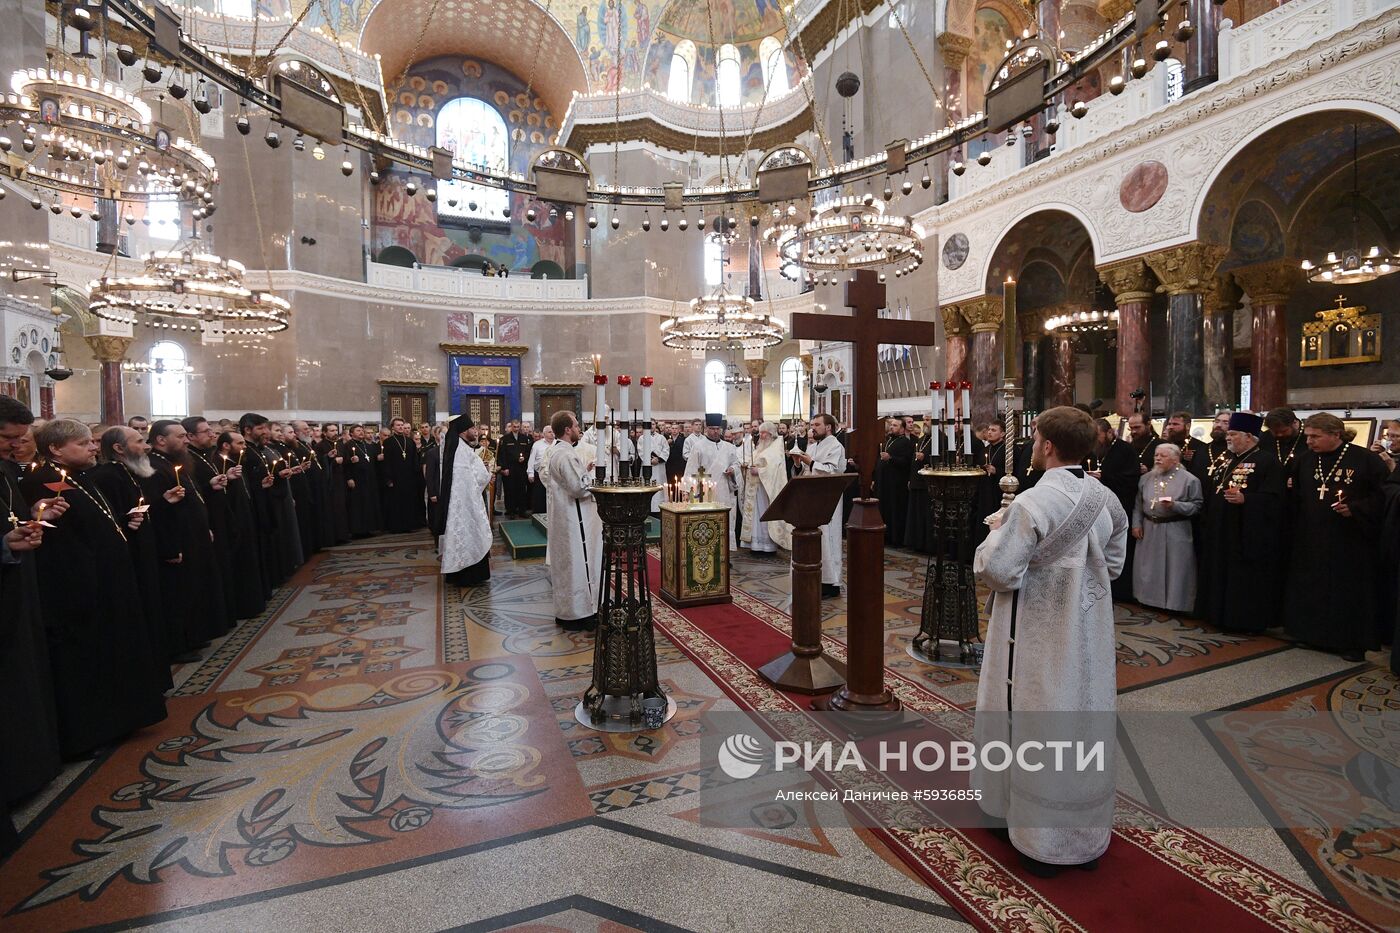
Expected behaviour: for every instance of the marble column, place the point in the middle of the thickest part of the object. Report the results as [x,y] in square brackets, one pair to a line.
[1131,283]
[756,369]
[1269,286]
[1185,273]
[984,316]
[110,351]
[1033,371]
[1218,337]
[955,49]
[46,402]
[1061,369]
[955,334]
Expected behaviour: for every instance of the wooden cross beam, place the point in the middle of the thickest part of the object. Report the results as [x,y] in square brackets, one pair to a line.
[865,330]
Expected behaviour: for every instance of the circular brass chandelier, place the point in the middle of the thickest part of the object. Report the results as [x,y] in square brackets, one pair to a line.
[845,235]
[182,289]
[721,321]
[88,138]
[1082,322]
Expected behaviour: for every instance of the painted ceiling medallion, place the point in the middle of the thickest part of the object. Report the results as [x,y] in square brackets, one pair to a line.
[955,250]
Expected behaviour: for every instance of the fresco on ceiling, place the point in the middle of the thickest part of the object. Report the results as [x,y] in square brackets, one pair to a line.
[1256,236]
[1300,163]
[989,37]
[1040,286]
[413,222]
[734,20]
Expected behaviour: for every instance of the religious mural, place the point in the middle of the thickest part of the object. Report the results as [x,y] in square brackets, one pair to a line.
[443,233]
[991,32]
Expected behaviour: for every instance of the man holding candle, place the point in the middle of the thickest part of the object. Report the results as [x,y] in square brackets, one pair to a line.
[1337,507]
[361,487]
[329,450]
[1241,532]
[268,474]
[191,585]
[401,471]
[892,480]
[462,523]
[107,678]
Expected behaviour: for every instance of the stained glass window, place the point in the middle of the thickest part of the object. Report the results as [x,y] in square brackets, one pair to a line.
[476,134]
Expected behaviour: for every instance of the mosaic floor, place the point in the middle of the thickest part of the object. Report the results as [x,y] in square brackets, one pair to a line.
[377,753]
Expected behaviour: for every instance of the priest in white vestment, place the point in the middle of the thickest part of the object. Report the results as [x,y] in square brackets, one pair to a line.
[574,531]
[538,452]
[825,454]
[465,544]
[767,475]
[652,450]
[1050,648]
[1164,561]
[720,460]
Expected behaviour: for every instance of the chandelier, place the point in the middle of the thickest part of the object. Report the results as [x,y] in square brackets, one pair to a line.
[1082,322]
[1352,265]
[845,235]
[732,378]
[721,321]
[89,138]
[181,289]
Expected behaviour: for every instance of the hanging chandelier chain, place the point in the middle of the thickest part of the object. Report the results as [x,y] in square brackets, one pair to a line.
[259,66]
[818,126]
[938,97]
[719,92]
[374,122]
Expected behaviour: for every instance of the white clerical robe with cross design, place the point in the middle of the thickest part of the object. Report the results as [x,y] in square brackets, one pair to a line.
[720,460]
[829,456]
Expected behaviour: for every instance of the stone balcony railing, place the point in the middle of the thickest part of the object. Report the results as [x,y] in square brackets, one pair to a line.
[470,283]
[234,35]
[648,103]
[1108,113]
[1287,29]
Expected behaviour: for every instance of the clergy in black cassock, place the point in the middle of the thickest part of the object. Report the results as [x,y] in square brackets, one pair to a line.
[1115,464]
[401,473]
[892,480]
[248,588]
[106,680]
[323,528]
[329,449]
[992,460]
[512,456]
[299,485]
[191,584]
[1241,561]
[1337,503]
[211,484]
[917,529]
[432,481]
[1195,455]
[1387,599]
[119,480]
[267,472]
[361,485]
[29,756]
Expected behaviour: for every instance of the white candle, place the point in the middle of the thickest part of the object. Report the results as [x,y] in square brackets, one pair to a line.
[622,406]
[950,419]
[646,403]
[598,404]
[967,420]
[935,424]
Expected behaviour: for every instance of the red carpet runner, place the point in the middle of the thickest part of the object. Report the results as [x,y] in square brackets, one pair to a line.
[1156,875]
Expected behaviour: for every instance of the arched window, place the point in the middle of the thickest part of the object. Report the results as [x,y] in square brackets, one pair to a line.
[775,75]
[1176,79]
[714,261]
[243,8]
[792,382]
[682,68]
[164,217]
[476,134]
[170,391]
[728,86]
[714,386]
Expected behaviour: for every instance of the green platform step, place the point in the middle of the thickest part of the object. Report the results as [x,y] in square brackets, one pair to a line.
[526,537]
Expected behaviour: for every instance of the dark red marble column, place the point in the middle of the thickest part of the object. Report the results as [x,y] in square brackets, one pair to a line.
[1061,370]
[955,348]
[110,351]
[984,315]
[1131,283]
[1269,286]
[45,401]
[757,369]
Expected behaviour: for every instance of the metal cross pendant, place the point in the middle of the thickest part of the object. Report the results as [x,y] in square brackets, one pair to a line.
[1322,492]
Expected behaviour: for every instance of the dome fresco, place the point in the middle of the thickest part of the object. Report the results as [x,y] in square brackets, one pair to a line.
[736,21]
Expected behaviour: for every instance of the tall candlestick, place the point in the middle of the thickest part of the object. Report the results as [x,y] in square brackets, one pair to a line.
[967,418]
[936,418]
[950,417]
[646,398]
[600,383]
[624,389]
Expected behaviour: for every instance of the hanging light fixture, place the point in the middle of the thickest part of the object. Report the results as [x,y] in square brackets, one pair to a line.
[184,289]
[846,235]
[731,378]
[722,321]
[1353,264]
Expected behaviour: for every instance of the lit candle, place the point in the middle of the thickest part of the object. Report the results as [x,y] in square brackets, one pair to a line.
[646,398]
[624,389]
[224,458]
[936,424]
[967,418]
[177,474]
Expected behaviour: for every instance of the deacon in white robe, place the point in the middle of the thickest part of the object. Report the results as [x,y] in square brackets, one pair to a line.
[1050,648]
[574,531]
[653,449]
[1164,561]
[465,544]
[825,454]
[767,475]
[720,460]
[534,464]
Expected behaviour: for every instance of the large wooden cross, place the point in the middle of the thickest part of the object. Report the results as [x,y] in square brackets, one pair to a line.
[865,330]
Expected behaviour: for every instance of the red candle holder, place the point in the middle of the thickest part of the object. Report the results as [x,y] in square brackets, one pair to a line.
[600,380]
[624,380]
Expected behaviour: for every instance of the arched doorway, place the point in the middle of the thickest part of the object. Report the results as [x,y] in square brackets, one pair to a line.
[1046,261]
[396,256]
[545,269]
[1284,196]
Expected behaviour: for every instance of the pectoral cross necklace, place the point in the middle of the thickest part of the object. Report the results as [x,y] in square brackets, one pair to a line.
[1333,474]
[10,502]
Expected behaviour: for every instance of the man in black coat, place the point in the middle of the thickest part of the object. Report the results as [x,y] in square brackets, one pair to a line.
[512,456]
[1115,464]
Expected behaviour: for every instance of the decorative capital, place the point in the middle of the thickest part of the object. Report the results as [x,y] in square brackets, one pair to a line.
[107,348]
[953,323]
[984,314]
[1222,295]
[955,48]
[1114,10]
[1269,282]
[1186,269]
[1129,279]
[756,368]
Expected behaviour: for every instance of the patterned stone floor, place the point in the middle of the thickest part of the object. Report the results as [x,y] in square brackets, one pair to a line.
[377,753]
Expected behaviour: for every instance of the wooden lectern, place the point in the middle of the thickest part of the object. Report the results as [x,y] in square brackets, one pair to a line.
[807,503]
